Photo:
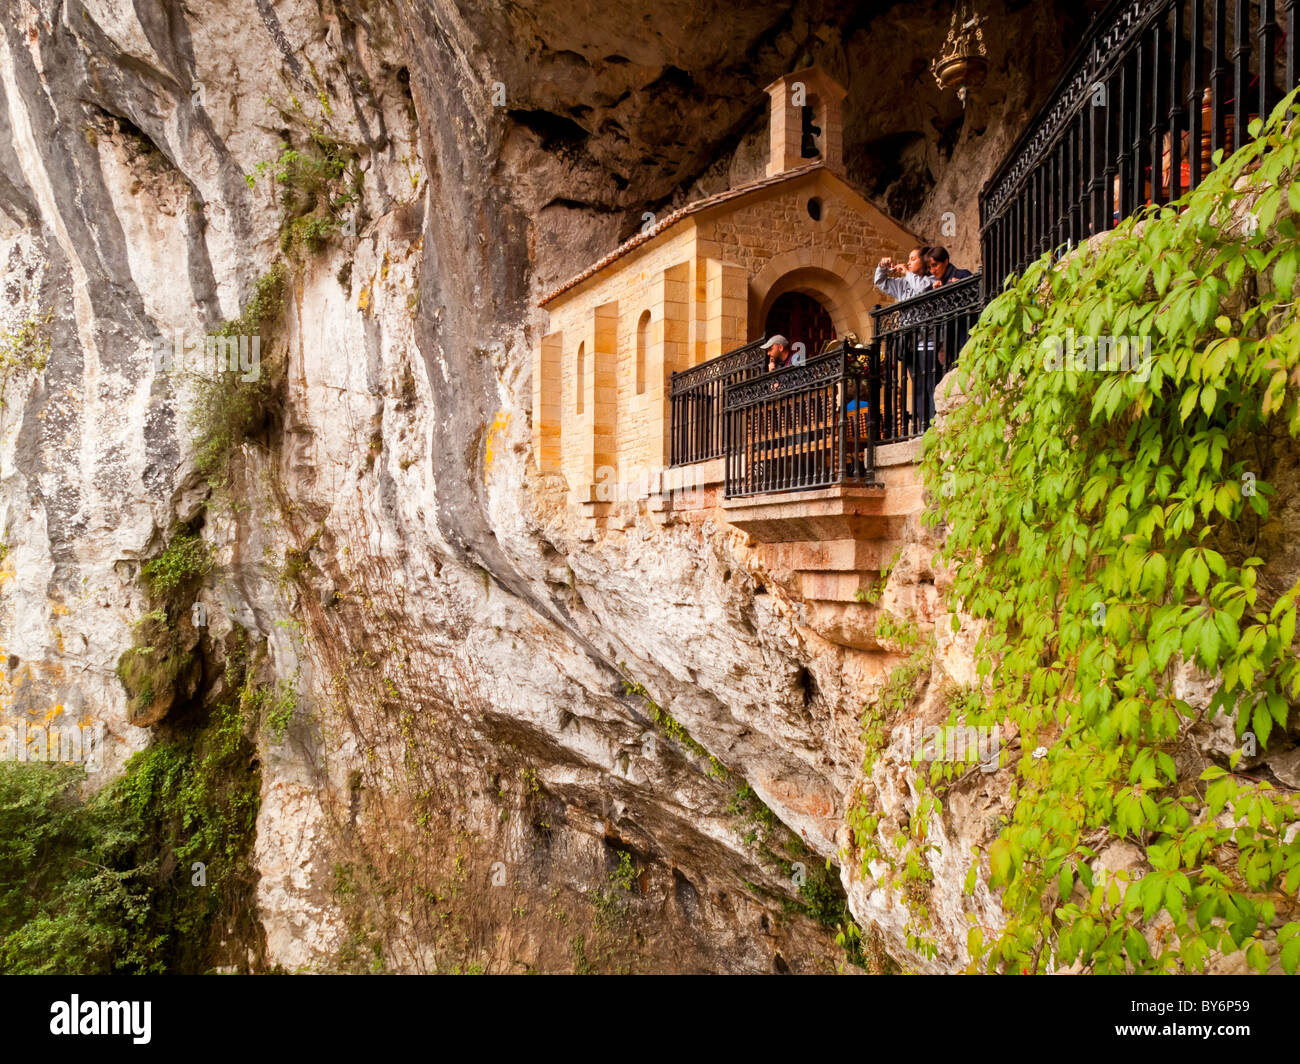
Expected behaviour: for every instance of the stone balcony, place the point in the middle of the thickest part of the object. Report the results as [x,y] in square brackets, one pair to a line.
[825,547]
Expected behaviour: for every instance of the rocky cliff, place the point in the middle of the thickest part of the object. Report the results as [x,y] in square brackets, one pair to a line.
[490,739]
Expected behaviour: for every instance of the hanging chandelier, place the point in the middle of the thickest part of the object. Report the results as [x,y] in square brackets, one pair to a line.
[962,62]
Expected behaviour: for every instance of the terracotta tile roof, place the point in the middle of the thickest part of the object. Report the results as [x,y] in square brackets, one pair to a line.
[672,219]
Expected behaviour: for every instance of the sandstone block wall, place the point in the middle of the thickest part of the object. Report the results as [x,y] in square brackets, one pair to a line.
[603,370]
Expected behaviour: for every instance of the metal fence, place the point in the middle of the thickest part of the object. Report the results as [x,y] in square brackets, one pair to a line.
[695,397]
[915,343]
[1156,89]
[801,427]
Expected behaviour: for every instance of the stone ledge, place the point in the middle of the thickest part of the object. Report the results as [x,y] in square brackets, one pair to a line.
[894,454]
[835,513]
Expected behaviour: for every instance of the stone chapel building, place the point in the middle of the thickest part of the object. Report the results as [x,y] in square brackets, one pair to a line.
[792,253]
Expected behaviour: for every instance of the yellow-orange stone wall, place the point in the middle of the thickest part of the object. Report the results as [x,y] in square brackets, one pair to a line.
[707,281]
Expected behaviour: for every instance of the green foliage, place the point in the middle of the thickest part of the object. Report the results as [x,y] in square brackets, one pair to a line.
[228,409]
[316,185]
[756,822]
[161,665]
[186,558]
[898,692]
[74,895]
[107,885]
[625,875]
[279,708]
[263,310]
[582,965]
[871,595]
[24,349]
[671,727]
[1102,527]
[198,795]
[900,631]
[156,668]
[819,887]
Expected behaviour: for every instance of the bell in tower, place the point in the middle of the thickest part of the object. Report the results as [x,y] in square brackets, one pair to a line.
[805,122]
[811,132]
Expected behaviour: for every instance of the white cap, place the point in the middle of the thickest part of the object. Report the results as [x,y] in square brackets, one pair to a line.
[777,339]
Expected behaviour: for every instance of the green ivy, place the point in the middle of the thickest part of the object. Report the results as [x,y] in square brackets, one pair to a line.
[1103,528]
[186,558]
[900,631]
[24,349]
[227,409]
[110,884]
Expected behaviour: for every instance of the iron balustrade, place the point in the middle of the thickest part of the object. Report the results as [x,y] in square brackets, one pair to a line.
[916,342]
[1157,88]
[695,398]
[801,427]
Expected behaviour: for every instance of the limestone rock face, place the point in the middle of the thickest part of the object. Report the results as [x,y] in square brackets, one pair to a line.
[477,675]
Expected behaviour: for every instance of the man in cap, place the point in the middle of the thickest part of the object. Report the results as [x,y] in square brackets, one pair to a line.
[778,353]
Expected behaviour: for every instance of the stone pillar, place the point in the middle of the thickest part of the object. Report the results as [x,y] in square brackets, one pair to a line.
[670,333]
[547,413]
[726,307]
[604,391]
[784,130]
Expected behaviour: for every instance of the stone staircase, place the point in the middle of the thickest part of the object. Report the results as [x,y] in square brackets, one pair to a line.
[828,548]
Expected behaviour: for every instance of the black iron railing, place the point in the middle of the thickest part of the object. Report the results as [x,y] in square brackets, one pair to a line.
[801,427]
[1156,89]
[696,402]
[916,342]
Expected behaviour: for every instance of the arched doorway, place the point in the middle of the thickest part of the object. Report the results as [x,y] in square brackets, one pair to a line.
[801,319]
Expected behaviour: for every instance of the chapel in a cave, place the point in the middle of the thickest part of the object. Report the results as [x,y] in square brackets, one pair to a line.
[792,253]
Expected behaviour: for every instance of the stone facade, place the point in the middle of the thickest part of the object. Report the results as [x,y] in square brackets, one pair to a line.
[695,285]
[699,287]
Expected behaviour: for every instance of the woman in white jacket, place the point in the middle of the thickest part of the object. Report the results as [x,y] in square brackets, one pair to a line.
[904,282]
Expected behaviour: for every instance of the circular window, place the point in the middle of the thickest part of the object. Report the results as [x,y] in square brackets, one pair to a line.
[815,209]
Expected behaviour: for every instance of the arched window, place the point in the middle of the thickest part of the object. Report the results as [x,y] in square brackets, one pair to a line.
[581,381]
[642,339]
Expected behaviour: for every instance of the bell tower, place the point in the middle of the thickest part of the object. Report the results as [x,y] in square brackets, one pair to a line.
[807,123]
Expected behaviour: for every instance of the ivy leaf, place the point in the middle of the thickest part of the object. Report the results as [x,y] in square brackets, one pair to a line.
[1162,274]
[1206,912]
[1284,271]
[1263,723]
[1153,894]
[1136,947]
[1167,766]
[1000,860]
[1200,573]
[1290,952]
[1204,303]
[1209,645]
[1195,953]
